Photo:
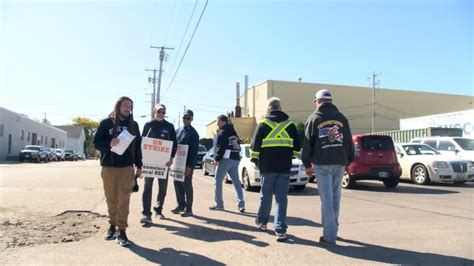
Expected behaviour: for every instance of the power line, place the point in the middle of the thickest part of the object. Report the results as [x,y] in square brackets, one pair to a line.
[187,47]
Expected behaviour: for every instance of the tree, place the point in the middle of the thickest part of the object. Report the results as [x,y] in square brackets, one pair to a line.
[90,128]
[300,129]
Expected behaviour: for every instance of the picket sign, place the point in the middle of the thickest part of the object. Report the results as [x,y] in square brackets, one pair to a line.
[179,163]
[155,154]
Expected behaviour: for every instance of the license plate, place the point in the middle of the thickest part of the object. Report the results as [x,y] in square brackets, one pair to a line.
[383,174]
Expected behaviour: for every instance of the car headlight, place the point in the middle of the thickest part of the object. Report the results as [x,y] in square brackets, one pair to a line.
[441,165]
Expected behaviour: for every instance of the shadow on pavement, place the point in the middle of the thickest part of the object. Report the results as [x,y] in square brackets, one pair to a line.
[308,191]
[169,256]
[374,253]
[401,188]
[291,221]
[209,234]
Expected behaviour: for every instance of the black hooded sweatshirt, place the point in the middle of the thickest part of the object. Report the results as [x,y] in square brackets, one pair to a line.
[227,139]
[275,160]
[328,138]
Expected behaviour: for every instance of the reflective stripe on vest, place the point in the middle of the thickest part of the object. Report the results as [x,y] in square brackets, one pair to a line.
[278,137]
[254,154]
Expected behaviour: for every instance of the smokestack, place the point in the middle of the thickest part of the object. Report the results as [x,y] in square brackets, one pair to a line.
[246,107]
[238,109]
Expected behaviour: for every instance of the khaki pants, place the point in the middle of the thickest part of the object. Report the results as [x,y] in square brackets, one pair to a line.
[118,184]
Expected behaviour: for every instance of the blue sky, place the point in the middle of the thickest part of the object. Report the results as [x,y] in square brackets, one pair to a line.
[74,58]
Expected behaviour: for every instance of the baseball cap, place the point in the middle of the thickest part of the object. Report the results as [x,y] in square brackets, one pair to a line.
[323,94]
[189,113]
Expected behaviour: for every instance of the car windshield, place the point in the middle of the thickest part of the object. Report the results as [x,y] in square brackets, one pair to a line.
[465,143]
[247,151]
[34,148]
[419,150]
[377,143]
[69,151]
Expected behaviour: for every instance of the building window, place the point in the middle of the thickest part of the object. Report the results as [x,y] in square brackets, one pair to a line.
[41,140]
[22,135]
[45,140]
[28,136]
[1,130]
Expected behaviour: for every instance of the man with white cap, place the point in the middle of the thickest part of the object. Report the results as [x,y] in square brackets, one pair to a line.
[327,149]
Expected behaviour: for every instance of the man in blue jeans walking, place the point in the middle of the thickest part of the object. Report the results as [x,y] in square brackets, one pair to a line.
[227,159]
[274,144]
[327,149]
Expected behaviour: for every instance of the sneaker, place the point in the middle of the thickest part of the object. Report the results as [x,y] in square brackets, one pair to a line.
[122,238]
[145,219]
[281,237]
[323,241]
[241,209]
[262,227]
[177,210]
[216,208]
[187,213]
[110,234]
[160,215]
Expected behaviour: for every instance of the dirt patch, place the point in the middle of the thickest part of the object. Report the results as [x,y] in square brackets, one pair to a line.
[23,230]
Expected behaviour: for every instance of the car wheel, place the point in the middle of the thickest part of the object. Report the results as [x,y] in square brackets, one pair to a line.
[300,187]
[21,160]
[38,160]
[459,182]
[348,181]
[392,182]
[246,180]
[420,175]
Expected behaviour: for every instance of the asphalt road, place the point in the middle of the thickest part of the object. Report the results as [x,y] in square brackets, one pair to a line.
[406,225]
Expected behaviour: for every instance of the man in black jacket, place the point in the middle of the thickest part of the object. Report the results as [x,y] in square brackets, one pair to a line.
[187,135]
[274,144]
[158,128]
[327,149]
[117,170]
[227,159]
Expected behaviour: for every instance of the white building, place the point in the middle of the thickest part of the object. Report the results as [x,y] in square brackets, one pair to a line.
[463,119]
[17,131]
[75,138]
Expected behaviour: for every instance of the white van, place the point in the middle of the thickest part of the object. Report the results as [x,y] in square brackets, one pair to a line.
[457,146]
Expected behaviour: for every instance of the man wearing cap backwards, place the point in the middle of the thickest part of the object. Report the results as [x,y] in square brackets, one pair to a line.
[327,149]
[117,170]
[274,144]
[158,128]
[227,158]
[184,190]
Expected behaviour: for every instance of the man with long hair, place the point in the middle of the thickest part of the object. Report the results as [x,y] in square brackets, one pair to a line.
[117,170]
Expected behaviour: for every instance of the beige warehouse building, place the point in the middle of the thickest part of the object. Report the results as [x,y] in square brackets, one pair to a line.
[354,102]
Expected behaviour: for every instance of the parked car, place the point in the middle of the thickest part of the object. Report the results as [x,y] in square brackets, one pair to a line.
[201,152]
[457,146]
[81,156]
[60,154]
[70,155]
[51,154]
[423,164]
[250,174]
[375,159]
[33,153]
[208,165]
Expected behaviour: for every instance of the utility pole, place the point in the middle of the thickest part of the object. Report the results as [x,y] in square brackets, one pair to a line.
[375,81]
[162,58]
[152,80]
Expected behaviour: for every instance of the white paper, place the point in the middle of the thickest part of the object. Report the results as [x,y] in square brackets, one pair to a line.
[226,154]
[125,138]
[179,163]
[156,153]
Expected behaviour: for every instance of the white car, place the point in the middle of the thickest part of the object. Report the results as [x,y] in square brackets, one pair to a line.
[423,164]
[250,174]
[455,146]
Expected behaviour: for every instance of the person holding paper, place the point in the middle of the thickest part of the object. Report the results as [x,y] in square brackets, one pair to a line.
[117,169]
[187,135]
[158,128]
[227,158]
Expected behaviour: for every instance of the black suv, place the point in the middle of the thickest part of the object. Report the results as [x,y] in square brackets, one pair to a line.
[33,153]
[70,155]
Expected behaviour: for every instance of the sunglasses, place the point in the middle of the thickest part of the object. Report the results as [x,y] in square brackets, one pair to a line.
[161,112]
[186,117]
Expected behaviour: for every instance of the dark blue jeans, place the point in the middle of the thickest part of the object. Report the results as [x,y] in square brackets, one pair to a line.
[160,199]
